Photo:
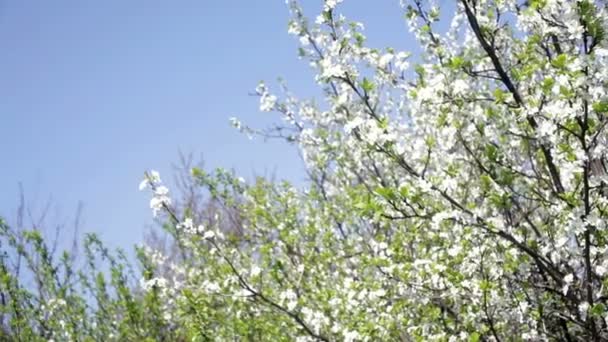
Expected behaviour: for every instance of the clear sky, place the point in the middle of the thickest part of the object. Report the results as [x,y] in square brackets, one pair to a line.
[92,93]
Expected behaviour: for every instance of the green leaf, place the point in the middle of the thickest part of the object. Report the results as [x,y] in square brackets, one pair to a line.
[566,92]
[198,173]
[404,191]
[485,285]
[506,177]
[491,152]
[486,183]
[387,193]
[601,107]
[474,337]
[456,62]
[548,84]
[367,85]
[598,310]
[590,21]
[537,4]
[560,62]
[499,95]
[420,70]
[383,123]
[360,39]
[327,16]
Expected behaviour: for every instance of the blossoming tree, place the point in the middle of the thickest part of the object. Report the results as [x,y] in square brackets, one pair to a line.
[458,196]
[457,199]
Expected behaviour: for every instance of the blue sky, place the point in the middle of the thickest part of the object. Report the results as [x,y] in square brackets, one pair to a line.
[94,93]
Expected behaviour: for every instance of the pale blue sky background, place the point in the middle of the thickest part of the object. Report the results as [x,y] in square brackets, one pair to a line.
[92,93]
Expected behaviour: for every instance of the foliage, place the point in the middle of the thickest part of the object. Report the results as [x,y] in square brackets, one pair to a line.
[53,299]
[462,199]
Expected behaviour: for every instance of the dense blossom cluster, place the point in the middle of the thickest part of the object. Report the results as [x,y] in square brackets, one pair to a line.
[459,195]
[161,193]
[462,199]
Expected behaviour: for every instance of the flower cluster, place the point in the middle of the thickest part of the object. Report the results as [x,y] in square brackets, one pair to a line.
[461,195]
[160,197]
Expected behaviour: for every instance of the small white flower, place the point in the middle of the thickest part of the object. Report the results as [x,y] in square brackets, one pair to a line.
[331,69]
[331,4]
[243,293]
[146,285]
[351,125]
[261,88]
[385,59]
[267,102]
[454,250]
[600,52]
[319,20]
[255,271]
[561,241]
[161,190]
[294,28]
[208,234]
[234,122]
[304,40]
[151,178]
[545,129]
[401,62]
[524,306]
[144,184]
[350,336]
[154,176]
[460,86]
[583,308]
[156,205]
[290,298]
[187,225]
